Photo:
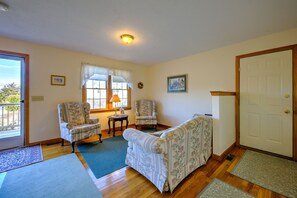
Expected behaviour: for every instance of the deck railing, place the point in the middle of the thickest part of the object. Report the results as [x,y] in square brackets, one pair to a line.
[10,117]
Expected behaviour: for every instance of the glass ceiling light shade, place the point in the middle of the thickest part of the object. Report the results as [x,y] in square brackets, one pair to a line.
[127,39]
[3,7]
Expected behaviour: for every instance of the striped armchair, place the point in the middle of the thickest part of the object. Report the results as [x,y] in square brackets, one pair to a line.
[145,113]
[75,122]
[167,157]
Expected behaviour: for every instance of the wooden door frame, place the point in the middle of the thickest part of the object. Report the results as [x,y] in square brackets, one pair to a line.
[26,91]
[294,73]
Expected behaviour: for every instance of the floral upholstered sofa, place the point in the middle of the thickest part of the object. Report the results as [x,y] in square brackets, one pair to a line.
[167,157]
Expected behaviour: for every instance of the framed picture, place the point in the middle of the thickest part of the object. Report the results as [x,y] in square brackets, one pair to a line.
[177,83]
[58,80]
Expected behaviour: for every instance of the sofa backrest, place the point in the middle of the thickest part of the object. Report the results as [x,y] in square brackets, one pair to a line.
[188,146]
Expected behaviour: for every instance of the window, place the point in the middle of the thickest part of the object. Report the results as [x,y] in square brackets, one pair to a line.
[120,89]
[96,93]
[99,92]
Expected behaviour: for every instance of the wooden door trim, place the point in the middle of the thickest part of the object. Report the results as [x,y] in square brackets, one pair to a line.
[26,91]
[222,93]
[237,98]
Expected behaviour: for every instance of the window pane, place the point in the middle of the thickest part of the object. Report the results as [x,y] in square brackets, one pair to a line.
[125,102]
[103,93]
[113,85]
[90,93]
[96,104]
[103,103]
[96,83]
[103,84]
[114,92]
[89,84]
[125,94]
[96,94]
[124,85]
[120,94]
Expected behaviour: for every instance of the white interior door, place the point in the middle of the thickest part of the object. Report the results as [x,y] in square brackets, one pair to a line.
[266,102]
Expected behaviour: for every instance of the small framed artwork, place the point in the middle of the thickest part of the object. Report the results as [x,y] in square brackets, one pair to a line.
[177,83]
[58,80]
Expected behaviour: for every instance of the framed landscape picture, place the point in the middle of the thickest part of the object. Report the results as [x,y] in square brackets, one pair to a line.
[177,83]
[58,80]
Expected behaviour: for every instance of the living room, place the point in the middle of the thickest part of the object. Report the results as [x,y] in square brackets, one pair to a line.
[208,61]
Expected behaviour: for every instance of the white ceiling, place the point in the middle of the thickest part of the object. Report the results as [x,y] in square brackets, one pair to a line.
[163,29]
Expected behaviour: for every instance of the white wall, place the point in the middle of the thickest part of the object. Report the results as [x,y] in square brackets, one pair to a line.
[45,61]
[208,71]
[223,113]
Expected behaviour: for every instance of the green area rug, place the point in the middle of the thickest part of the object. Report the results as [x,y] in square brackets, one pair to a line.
[219,189]
[59,177]
[106,157]
[273,173]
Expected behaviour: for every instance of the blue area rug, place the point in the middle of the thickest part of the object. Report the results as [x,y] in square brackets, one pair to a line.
[59,177]
[15,158]
[104,158]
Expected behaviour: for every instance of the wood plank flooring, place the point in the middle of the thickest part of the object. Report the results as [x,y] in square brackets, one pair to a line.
[127,182]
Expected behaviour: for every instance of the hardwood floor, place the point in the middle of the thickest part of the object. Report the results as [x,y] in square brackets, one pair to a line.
[127,182]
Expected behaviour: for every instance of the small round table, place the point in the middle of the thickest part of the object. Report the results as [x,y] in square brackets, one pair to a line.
[114,119]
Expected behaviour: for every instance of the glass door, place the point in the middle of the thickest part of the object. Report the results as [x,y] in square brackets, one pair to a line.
[11,101]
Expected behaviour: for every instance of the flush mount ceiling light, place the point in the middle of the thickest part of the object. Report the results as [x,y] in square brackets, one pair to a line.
[3,7]
[127,39]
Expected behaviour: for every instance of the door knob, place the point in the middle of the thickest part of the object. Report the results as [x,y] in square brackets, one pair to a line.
[287,111]
[287,96]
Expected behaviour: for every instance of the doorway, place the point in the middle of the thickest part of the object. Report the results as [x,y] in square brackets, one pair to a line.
[13,100]
[266,101]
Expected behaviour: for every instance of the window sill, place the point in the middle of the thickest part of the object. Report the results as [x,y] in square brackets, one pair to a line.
[107,110]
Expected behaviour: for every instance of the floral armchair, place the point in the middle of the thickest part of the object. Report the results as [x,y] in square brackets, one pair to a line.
[75,122]
[167,157]
[145,113]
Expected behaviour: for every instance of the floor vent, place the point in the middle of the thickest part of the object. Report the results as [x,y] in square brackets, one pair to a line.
[229,157]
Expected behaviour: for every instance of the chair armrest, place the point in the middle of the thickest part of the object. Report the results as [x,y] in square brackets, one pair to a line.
[92,121]
[66,125]
[148,142]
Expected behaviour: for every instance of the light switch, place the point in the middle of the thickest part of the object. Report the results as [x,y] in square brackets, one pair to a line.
[37,98]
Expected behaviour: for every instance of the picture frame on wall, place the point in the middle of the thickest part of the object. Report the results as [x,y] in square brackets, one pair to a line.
[58,80]
[177,83]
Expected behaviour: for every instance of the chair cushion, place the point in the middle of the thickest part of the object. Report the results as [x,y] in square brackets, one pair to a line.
[146,118]
[74,113]
[85,127]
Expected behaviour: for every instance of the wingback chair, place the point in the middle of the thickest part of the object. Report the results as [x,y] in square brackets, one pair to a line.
[145,113]
[75,122]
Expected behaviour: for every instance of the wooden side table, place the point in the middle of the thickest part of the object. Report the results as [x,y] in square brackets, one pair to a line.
[114,119]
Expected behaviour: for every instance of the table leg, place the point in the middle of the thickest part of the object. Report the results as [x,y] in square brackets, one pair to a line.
[113,126]
[108,126]
[121,125]
[127,122]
